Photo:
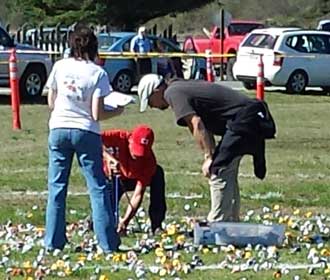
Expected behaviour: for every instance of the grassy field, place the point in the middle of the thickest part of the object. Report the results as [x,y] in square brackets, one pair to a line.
[297,185]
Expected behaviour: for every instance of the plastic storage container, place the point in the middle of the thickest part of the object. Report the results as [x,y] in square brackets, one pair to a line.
[238,234]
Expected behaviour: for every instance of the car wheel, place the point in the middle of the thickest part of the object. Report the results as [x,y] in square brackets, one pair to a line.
[229,69]
[297,82]
[32,82]
[249,85]
[123,81]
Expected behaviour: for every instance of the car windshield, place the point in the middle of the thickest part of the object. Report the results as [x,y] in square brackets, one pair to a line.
[162,45]
[236,29]
[105,41]
[326,26]
[4,39]
[264,41]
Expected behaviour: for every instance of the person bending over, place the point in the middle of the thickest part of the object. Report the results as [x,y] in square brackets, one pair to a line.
[209,109]
[129,154]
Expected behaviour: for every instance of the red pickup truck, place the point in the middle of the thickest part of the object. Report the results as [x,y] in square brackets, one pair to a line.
[233,35]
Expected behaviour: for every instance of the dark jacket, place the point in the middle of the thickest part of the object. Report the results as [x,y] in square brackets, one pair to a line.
[246,134]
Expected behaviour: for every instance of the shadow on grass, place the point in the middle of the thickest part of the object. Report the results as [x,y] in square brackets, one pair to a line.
[6,100]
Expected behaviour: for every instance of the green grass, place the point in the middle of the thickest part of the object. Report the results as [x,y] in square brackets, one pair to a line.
[298,174]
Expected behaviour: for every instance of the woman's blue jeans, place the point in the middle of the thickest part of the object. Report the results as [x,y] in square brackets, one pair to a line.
[63,143]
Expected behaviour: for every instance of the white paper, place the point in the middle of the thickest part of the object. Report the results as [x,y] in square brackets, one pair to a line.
[115,99]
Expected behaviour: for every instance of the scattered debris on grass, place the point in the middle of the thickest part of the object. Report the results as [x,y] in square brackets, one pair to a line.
[173,251]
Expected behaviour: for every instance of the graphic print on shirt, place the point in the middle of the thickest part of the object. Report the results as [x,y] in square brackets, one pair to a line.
[73,88]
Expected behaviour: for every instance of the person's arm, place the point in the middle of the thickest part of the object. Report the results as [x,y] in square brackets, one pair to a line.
[171,63]
[51,98]
[132,45]
[98,111]
[113,165]
[132,207]
[148,44]
[204,139]
[52,88]
[103,89]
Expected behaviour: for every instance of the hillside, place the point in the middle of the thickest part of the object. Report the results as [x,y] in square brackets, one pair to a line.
[302,13]
[184,15]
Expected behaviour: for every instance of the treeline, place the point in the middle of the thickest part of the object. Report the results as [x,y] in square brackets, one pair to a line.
[125,14]
[299,13]
[302,13]
[185,15]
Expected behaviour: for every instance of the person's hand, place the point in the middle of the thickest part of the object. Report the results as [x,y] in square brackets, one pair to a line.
[206,167]
[114,166]
[121,228]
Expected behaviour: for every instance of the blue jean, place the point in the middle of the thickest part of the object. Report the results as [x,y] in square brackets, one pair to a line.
[157,206]
[63,143]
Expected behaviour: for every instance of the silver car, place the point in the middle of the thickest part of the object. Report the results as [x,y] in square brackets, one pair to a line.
[33,66]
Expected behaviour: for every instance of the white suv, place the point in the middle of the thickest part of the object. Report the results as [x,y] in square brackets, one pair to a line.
[292,57]
[324,25]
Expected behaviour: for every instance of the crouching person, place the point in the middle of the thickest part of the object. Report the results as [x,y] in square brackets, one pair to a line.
[129,154]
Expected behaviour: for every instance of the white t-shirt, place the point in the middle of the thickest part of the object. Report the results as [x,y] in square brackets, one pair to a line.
[76,82]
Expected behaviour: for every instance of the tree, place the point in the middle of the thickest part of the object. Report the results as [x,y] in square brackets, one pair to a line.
[3,12]
[129,14]
[54,11]
[122,13]
[323,6]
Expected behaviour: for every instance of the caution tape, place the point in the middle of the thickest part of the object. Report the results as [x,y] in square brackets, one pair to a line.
[132,55]
[286,55]
[33,52]
[7,62]
[126,55]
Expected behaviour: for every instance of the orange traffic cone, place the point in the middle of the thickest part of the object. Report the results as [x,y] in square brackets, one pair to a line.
[15,102]
[260,80]
[209,70]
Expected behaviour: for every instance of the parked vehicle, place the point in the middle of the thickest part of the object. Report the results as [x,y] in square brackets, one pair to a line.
[51,38]
[292,58]
[123,72]
[233,35]
[324,25]
[33,68]
[106,40]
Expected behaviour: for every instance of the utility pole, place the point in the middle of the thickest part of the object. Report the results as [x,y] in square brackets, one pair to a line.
[222,37]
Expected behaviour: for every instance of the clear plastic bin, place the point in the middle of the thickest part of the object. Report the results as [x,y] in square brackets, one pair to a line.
[238,234]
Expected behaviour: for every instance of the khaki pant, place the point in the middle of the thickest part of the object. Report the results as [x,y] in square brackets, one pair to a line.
[224,190]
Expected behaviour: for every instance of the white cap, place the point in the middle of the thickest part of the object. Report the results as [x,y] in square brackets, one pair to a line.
[142,29]
[145,88]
